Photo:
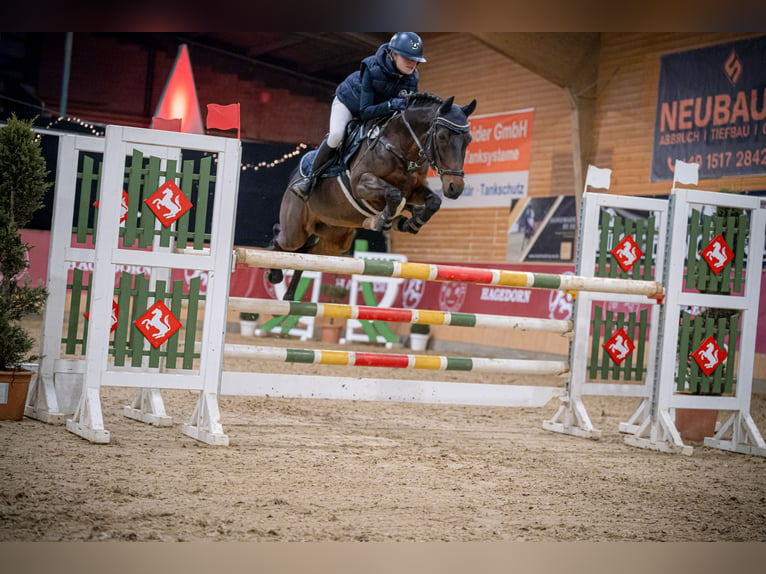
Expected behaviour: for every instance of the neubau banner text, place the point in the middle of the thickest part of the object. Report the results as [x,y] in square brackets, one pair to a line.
[711,110]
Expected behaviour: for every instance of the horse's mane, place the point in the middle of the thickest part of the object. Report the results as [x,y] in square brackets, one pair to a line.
[423,98]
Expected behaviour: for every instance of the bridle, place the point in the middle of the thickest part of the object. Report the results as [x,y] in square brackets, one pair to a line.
[429,153]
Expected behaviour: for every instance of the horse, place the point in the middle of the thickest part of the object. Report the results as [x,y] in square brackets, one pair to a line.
[382,173]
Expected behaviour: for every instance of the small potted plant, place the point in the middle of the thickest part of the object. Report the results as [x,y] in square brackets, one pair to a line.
[247,323]
[419,335]
[23,182]
[331,329]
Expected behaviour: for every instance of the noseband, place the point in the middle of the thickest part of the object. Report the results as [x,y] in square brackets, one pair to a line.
[429,152]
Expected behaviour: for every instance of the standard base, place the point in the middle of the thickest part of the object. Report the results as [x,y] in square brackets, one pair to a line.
[147,407]
[572,419]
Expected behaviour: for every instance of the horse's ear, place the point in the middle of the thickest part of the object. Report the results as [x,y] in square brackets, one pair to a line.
[468,110]
[446,105]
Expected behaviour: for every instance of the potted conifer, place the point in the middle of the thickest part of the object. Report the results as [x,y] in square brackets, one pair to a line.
[23,182]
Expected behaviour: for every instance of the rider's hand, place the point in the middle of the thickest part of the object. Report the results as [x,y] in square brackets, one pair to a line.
[397,104]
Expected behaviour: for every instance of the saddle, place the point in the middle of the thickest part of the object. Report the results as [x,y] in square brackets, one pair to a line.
[357,131]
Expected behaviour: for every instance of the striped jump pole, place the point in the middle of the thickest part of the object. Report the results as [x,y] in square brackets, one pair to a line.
[366,313]
[397,361]
[429,272]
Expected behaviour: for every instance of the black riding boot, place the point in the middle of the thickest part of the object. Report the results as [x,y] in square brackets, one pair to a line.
[305,185]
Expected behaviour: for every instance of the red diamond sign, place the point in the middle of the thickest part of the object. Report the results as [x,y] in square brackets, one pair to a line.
[709,355]
[158,324]
[115,316]
[123,206]
[619,346]
[627,252]
[717,254]
[168,203]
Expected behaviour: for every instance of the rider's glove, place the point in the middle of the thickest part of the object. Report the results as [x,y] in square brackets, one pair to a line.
[397,104]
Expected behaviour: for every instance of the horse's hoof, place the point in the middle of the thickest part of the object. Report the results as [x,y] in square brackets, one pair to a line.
[408,226]
[383,224]
[275,276]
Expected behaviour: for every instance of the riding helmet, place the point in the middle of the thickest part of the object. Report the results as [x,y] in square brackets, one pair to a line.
[408,45]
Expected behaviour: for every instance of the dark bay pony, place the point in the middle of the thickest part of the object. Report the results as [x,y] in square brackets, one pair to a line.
[385,177]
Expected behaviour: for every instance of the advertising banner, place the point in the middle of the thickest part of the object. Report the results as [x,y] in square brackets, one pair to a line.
[496,162]
[711,110]
[542,229]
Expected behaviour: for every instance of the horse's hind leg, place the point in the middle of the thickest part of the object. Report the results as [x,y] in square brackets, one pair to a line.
[275,275]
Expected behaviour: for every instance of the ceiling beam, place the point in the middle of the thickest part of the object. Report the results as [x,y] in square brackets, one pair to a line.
[568,60]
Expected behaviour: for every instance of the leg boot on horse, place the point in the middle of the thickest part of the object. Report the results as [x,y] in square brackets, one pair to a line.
[305,185]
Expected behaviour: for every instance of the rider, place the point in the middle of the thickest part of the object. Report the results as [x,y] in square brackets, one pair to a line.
[376,89]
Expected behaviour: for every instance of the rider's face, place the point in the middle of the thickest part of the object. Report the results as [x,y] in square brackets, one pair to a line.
[404,65]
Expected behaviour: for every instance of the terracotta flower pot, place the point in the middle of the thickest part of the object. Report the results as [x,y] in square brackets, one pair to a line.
[331,332]
[695,424]
[14,386]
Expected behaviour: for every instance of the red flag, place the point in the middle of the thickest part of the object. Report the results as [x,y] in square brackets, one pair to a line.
[173,125]
[223,117]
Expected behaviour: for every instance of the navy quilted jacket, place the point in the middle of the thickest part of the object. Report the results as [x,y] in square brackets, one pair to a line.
[366,92]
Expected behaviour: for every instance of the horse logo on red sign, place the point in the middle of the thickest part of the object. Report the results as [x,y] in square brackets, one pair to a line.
[717,254]
[168,203]
[158,324]
[619,346]
[627,252]
[709,355]
[123,206]
[115,316]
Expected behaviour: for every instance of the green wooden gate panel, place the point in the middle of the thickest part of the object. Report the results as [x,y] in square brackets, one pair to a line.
[132,294]
[612,229]
[604,325]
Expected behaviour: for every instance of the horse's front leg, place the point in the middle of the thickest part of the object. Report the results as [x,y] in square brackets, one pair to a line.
[420,213]
[371,188]
[394,204]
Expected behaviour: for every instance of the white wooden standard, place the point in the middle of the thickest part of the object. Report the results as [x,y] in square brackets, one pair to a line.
[205,423]
[738,433]
[56,382]
[572,416]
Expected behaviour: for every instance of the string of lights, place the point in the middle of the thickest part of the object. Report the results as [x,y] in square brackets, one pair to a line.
[100,129]
[269,164]
[97,130]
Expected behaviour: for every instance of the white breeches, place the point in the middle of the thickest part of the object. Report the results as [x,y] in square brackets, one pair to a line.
[339,118]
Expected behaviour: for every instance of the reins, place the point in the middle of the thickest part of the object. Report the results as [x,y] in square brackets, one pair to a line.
[430,145]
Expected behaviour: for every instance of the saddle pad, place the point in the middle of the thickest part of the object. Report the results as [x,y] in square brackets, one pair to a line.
[307,160]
